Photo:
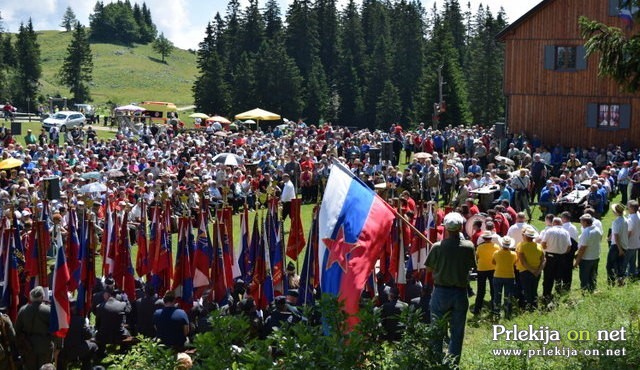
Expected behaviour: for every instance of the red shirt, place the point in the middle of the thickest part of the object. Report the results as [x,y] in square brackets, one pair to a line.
[474,210]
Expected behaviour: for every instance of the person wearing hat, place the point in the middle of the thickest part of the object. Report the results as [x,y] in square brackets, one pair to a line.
[110,316]
[588,254]
[520,185]
[619,242]
[556,242]
[504,276]
[529,266]
[450,260]
[484,255]
[30,138]
[35,342]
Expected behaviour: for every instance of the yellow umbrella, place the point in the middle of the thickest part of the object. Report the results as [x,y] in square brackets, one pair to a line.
[198,115]
[219,119]
[258,114]
[10,163]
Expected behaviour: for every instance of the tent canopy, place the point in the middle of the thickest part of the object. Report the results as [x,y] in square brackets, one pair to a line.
[258,114]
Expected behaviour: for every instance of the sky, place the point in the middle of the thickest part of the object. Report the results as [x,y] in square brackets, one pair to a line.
[183,21]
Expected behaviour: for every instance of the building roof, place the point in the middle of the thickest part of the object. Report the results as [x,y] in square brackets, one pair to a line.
[500,36]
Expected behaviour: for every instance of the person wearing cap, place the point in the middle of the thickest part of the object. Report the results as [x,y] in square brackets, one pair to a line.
[504,276]
[588,254]
[35,342]
[450,260]
[30,138]
[484,256]
[529,267]
[619,242]
[556,243]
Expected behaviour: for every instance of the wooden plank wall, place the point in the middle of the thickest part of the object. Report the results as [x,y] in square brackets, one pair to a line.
[562,119]
[553,104]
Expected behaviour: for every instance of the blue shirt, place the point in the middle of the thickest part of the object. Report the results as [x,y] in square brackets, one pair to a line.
[169,323]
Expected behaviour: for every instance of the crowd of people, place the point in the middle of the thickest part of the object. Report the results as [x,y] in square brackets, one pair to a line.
[445,171]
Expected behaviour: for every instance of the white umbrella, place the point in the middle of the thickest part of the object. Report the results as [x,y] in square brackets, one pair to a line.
[228,159]
[130,108]
[250,121]
[94,187]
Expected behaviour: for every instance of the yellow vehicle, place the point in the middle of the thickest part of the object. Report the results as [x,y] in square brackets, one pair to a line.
[158,112]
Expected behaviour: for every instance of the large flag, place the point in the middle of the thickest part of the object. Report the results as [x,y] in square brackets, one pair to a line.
[123,273]
[418,244]
[11,278]
[218,267]
[296,241]
[310,273]
[108,240]
[88,269]
[73,250]
[267,285]
[242,267]
[203,255]
[60,309]
[142,256]
[277,263]
[353,225]
[161,266]
[259,269]
[182,279]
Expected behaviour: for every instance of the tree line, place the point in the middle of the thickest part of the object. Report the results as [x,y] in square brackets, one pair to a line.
[366,65]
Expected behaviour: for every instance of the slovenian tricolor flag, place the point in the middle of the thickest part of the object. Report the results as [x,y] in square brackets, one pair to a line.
[354,224]
[627,14]
[60,309]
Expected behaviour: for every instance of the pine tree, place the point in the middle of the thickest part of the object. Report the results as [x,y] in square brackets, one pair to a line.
[252,28]
[302,35]
[210,90]
[454,22]
[245,94]
[350,74]
[162,46]
[327,16]
[388,106]
[29,68]
[272,20]
[77,68]
[148,30]
[68,19]
[279,82]
[408,55]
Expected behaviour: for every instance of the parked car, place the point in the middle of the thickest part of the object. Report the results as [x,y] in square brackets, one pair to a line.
[88,110]
[64,120]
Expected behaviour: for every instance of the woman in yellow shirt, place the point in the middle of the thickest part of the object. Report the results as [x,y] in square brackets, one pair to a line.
[530,264]
[485,268]
[504,276]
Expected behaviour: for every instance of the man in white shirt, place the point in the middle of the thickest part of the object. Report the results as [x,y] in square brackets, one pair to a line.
[515,230]
[588,254]
[288,193]
[633,222]
[619,242]
[556,243]
[573,233]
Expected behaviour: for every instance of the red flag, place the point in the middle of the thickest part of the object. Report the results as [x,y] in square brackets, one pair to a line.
[296,241]
[123,272]
[142,257]
[182,278]
[203,253]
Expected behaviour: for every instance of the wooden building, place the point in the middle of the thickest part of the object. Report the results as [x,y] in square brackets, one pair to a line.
[552,90]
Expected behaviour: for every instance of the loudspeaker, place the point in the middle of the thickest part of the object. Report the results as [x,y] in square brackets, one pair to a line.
[387,151]
[16,128]
[499,130]
[374,156]
[51,187]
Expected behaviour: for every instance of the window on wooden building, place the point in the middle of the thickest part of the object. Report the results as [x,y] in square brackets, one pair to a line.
[565,58]
[609,116]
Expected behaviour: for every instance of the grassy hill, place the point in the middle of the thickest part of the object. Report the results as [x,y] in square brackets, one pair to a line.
[122,74]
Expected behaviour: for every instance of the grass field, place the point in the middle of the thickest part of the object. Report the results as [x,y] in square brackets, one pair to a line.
[122,74]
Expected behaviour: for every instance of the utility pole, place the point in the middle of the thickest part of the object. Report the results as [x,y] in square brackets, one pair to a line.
[439,106]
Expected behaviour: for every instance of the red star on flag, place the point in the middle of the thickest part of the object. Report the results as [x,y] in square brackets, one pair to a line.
[338,249]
